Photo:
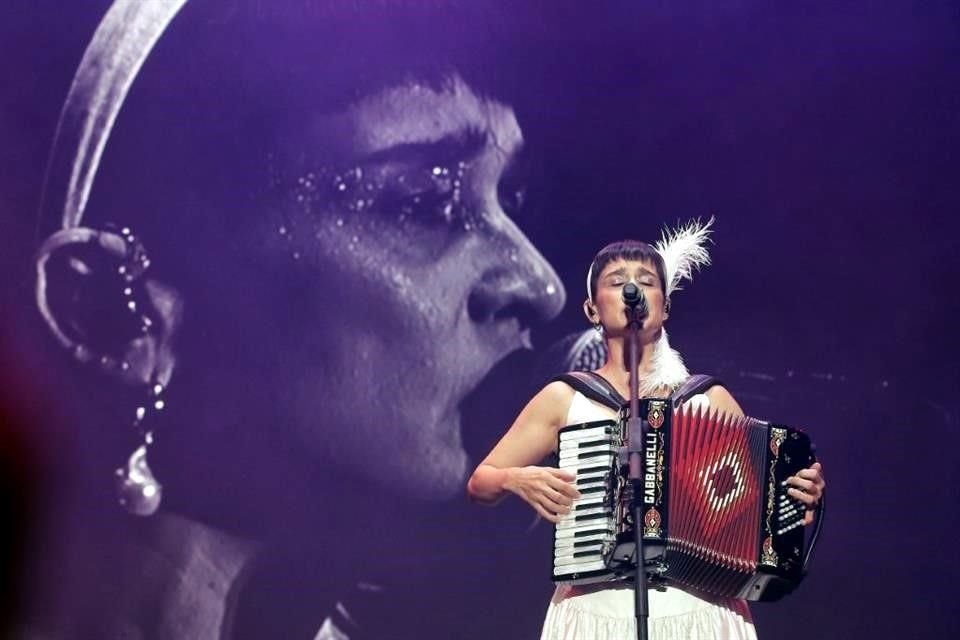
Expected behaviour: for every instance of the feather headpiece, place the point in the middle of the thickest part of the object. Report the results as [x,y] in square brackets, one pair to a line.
[683,251]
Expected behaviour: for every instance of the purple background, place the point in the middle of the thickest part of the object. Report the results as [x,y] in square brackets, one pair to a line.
[823,136]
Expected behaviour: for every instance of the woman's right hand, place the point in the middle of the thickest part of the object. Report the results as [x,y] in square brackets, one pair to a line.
[548,490]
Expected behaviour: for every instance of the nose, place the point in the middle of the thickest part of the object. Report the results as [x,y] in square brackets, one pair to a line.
[520,284]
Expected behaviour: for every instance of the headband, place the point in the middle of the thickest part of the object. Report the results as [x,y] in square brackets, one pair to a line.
[120,45]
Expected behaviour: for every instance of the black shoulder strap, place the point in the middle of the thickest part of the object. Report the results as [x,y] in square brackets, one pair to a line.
[695,384]
[594,386]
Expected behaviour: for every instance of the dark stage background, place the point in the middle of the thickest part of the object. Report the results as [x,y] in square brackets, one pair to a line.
[822,136]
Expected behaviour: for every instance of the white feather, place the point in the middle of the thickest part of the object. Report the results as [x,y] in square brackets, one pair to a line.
[666,368]
[684,251]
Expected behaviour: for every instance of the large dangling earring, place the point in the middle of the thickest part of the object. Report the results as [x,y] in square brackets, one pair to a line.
[138,490]
[599,329]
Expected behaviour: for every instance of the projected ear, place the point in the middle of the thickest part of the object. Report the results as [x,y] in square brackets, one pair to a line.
[591,312]
[94,292]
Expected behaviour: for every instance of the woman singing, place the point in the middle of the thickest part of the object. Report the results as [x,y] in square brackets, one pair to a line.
[605,611]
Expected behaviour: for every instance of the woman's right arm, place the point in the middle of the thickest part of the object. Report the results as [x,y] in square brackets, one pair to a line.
[511,465]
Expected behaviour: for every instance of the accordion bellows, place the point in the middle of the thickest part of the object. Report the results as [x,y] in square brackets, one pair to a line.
[715,514]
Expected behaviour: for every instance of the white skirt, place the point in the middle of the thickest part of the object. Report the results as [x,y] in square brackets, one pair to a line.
[606,612]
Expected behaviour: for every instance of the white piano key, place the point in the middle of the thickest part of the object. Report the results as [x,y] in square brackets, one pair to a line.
[591,476]
[577,444]
[580,453]
[569,541]
[572,531]
[580,525]
[589,509]
[595,565]
[593,556]
[567,553]
[574,463]
[596,433]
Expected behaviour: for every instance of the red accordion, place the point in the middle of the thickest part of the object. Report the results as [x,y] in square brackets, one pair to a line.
[716,515]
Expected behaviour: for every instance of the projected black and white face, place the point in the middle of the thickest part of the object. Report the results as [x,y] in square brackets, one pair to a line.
[386,279]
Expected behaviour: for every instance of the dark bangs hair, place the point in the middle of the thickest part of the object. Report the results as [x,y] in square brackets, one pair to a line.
[632,250]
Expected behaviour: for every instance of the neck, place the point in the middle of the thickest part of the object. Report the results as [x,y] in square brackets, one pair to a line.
[659,369]
[163,577]
[618,356]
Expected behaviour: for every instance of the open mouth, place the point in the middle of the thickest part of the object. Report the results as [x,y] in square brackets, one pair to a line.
[489,408]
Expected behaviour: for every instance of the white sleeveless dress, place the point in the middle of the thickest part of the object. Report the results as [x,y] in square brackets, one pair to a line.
[606,611]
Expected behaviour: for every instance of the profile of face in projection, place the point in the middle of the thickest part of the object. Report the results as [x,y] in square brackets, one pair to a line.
[418,281]
[334,266]
[349,308]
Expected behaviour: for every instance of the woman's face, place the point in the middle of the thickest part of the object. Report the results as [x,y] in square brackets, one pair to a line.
[392,282]
[609,297]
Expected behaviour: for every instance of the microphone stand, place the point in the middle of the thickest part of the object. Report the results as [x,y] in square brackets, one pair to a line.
[636,428]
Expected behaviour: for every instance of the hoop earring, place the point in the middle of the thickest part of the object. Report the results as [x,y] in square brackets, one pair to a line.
[598,328]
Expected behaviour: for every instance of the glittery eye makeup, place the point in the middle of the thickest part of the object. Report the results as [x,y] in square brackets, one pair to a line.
[444,183]
[417,198]
[427,196]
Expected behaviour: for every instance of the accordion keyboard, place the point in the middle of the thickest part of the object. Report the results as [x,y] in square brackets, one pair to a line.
[581,535]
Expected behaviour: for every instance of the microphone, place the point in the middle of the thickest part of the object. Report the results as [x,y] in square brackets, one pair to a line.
[585,350]
[634,299]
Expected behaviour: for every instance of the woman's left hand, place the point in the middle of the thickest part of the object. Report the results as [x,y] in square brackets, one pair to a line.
[807,487]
